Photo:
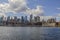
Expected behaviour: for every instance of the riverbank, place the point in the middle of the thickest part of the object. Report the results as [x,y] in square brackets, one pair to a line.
[32,25]
[27,26]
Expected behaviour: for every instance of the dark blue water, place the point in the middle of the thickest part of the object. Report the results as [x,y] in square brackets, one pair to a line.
[29,33]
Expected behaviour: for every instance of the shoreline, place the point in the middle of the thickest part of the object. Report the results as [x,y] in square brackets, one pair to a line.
[26,26]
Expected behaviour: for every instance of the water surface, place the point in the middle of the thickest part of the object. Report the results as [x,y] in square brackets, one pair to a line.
[29,33]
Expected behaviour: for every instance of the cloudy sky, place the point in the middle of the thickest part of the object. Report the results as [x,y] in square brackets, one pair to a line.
[27,7]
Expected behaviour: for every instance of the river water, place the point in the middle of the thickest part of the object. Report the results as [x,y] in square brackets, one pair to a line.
[29,33]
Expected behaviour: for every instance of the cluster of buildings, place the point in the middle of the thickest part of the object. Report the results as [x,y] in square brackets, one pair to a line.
[27,21]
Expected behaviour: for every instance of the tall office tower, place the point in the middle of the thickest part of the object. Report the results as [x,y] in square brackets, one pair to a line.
[1,19]
[15,18]
[8,18]
[36,19]
[31,18]
[22,19]
[53,20]
[4,19]
[18,20]
[25,19]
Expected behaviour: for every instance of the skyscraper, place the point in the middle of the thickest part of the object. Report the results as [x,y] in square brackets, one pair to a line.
[8,17]
[15,18]
[25,19]
[1,19]
[31,18]
[22,19]
[36,19]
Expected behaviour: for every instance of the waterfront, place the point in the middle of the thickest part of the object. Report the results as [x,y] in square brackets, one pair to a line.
[31,21]
[29,33]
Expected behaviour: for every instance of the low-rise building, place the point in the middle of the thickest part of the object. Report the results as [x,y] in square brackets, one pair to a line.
[49,24]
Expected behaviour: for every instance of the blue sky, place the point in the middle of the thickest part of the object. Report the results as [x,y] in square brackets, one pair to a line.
[49,6]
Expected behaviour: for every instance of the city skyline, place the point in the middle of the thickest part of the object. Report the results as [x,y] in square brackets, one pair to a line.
[27,7]
[30,18]
[23,21]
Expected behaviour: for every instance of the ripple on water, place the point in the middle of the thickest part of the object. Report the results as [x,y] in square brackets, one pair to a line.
[29,33]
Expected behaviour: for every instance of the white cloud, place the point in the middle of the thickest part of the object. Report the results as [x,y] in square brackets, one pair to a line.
[4,8]
[58,8]
[38,11]
[14,6]
[58,15]
[2,14]
[17,6]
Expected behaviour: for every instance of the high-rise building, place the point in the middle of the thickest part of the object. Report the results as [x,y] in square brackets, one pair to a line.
[18,20]
[31,18]
[25,19]
[51,20]
[4,19]
[36,19]
[22,19]
[1,19]
[15,18]
[8,18]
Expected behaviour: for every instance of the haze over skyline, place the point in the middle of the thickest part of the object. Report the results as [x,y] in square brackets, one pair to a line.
[27,7]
